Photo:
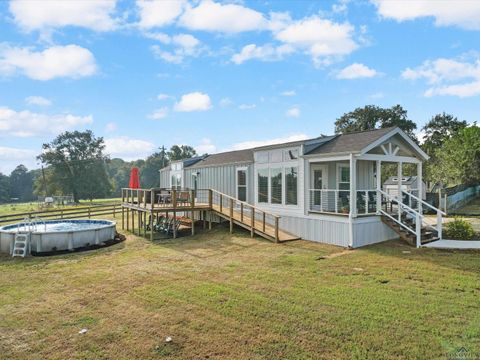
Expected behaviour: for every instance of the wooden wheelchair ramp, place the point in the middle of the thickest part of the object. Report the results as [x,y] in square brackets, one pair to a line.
[249,217]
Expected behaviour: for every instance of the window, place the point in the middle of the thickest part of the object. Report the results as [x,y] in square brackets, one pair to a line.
[343,177]
[276,186]
[261,157]
[276,156]
[291,185]
[242,184]
[176,181]
[263,186]
[291,154]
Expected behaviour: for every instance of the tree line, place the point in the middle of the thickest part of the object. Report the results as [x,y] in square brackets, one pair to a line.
[75,162]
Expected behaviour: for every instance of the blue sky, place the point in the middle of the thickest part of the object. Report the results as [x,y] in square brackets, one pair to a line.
[226,74]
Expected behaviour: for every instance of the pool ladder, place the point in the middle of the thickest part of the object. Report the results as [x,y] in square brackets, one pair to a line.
[22,238]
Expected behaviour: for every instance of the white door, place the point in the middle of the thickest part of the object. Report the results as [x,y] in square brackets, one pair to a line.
[318,182]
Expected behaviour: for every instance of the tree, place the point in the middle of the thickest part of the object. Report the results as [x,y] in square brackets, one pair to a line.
[439,129]
[21,183]
[373,117]
[78,164]
[4,188]
[458,160]
[181,152]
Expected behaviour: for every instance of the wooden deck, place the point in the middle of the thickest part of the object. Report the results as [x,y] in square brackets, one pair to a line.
[237,212]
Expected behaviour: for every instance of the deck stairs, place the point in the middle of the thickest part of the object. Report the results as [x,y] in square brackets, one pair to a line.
[249,217]
[20,244]
[408,219]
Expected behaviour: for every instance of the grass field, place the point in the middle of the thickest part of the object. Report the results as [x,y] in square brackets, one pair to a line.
[232,297]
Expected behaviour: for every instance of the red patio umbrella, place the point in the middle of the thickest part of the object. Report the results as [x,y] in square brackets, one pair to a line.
[134,182]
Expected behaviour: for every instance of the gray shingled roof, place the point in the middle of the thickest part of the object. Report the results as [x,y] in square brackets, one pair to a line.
[231,157]
[350,143]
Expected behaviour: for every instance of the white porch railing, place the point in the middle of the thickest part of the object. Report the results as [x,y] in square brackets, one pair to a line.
[337,201]
[408,217]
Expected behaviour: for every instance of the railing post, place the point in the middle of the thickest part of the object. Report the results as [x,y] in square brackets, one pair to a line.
[241,212]
[192,194]
[276,229]
[231,216]
[210,198]
[418,230]
[366,201]
[152,198]
[252,225]
[263,220]
[336,201]
[221,202]
[439,224]
[174,198]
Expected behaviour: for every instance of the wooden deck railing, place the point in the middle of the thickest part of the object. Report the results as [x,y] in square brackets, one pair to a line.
[259,218]
[256,219]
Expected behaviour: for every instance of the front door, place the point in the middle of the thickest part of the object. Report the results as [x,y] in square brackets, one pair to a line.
[318,181]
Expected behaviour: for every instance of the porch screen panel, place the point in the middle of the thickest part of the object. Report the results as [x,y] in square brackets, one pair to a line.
[262,194]
[291,184]
[276,186]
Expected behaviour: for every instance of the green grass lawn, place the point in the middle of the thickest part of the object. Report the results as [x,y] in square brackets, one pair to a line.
[223,296]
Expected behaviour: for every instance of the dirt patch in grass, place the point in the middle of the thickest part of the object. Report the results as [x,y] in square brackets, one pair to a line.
[221,296]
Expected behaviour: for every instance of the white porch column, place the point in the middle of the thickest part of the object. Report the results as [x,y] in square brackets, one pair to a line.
[353,186]
[420,185]
[399,197]
[379,185]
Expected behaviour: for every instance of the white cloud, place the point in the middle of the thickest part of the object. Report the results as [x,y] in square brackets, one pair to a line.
[11,157]
[38,100]
[70,61]
[462,13]
[293,112]
[266,52]
[356,71]
[377,95]
[247,106]
[206,147]
[111,127]
[154,13]
[50,14]
[183,45]
[288,93]
[226,102]
[195,101]
[159,113]
[323,39]
[128,148]
[448,76]
[226,18]
[26,123]
[257,143]
[162,97]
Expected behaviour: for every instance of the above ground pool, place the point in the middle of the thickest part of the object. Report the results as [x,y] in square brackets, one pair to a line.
[58,235]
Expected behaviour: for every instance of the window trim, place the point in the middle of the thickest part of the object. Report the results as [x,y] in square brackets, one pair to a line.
[339,173]
[241,168]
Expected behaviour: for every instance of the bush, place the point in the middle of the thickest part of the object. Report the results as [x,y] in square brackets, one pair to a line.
[458,229]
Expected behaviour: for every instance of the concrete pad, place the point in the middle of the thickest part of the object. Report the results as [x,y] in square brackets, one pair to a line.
[454,244]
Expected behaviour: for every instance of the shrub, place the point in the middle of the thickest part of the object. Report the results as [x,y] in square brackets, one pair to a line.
[458,229]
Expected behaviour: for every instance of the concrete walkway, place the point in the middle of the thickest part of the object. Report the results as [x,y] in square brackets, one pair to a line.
[454,244]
